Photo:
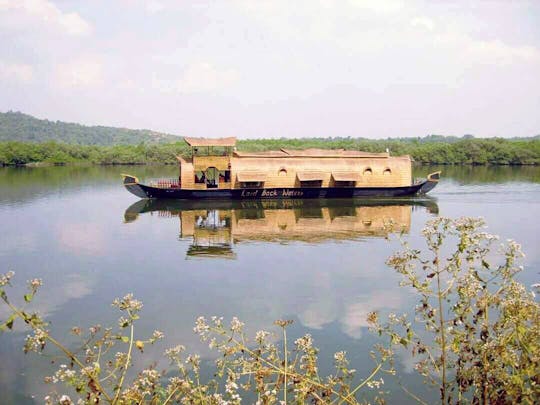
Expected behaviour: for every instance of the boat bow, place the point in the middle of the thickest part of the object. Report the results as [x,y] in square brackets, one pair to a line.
[430,183]
[131,183]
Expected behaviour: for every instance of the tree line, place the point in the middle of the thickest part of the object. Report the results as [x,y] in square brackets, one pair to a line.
[466,150]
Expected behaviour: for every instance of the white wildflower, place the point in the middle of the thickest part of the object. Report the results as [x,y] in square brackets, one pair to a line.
[157,335]
[236,325]
[201,326]
[304,343]
[65,400]
[128,303]
[5,278]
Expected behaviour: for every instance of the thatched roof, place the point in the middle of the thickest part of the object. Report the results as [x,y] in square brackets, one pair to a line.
[231,141]
[268,153]
[310,176]
[312,153]
[331,153]
[251,176]
[346,176]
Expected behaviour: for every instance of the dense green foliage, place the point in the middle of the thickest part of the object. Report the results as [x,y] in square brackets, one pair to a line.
[494,151]
[431,149]
[16,126]
[25,139]
[18,153]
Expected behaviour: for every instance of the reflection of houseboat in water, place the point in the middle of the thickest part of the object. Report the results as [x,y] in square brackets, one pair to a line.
[216,170]
[215,227]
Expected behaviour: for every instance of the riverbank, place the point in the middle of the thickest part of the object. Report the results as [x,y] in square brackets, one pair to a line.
[464,151]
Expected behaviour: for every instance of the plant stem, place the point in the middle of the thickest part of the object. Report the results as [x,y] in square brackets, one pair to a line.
[279,370]
[124,372]
[60,346]
[375,371]
[442,333]
[285,373]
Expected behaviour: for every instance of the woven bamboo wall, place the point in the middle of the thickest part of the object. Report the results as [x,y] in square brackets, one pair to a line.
[187,173]
[281,172]
[204,162]
[400,170]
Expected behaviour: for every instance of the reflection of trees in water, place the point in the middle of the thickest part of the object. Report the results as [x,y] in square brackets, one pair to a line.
[469,174]
[29,183]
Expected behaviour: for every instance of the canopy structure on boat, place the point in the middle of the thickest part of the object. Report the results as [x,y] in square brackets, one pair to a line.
[346,176]
[310,176]
[194,142]
[312,153]
[251,177]
[326,153]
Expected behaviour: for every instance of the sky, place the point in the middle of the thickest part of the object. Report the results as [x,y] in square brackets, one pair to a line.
[280,68]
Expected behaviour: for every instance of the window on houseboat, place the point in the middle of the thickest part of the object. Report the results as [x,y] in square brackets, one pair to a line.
[368,172]
[387,171]
[224,176]
[345,183]
[311,183]
[212,177]
[251,184]
[200,177]
[212,151]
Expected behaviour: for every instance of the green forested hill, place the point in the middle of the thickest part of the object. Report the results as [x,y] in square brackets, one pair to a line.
[16,126]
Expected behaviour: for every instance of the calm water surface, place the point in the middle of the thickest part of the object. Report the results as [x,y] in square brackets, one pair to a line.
[320,263]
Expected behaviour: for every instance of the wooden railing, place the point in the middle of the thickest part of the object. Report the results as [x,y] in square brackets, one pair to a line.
[165,183]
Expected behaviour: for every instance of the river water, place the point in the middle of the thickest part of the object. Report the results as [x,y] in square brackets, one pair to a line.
[319,263]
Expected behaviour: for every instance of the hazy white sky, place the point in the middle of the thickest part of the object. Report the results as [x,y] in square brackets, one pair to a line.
[276,68]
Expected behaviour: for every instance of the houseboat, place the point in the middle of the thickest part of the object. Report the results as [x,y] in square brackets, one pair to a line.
[216,170]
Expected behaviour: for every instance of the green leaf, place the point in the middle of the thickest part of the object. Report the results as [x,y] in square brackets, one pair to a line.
[28,297]
[124,339]
[9,322]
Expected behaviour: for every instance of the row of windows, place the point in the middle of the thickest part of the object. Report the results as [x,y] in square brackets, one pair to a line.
[367,171]
[214,176]
[308,183]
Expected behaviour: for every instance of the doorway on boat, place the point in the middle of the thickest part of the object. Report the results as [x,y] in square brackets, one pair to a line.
[212,177]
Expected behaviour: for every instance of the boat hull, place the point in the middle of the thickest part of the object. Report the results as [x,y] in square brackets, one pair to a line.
[144,191]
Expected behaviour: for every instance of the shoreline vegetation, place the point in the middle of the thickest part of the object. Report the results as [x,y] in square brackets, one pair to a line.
[474,338]
[429,150]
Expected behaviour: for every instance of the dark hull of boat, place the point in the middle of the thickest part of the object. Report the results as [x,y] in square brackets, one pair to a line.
[144,191]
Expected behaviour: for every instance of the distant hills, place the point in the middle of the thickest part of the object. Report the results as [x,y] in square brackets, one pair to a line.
[16,126]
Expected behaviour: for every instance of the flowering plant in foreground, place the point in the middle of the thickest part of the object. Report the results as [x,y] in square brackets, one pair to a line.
[476,333]
[268,373]
[476,336]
